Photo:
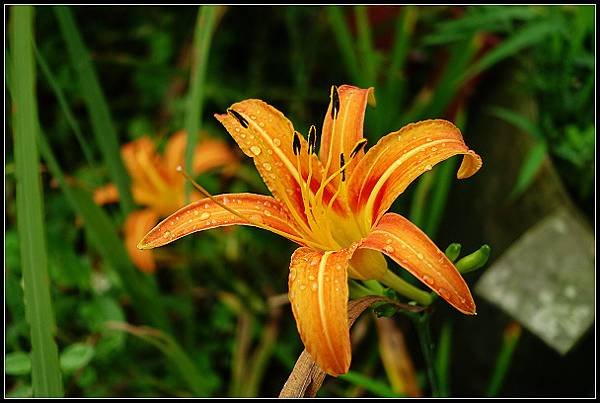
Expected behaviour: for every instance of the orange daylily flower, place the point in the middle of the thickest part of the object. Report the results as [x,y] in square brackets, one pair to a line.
[157,185]
[334,206]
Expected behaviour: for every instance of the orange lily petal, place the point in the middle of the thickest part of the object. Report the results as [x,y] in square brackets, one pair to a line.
[318,292]
[266,135]
[208,154]
[145,167]
[211,154]
[348,128]
[206,214]
[412,249]
[136,225]
[175,152]
[106,194]
[399,158]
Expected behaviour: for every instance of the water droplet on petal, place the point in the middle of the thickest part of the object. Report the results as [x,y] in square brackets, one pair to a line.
[314,286]
[388,241]
[256,150]
[302,287]
[266,166]
[428,280]
[428,167]
[292,274]
[277,142]
[420,255]
[204,216]
[388,249]
[311,277]
[167,234]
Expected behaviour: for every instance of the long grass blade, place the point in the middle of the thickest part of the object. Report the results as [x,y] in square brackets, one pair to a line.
[189,372]
[46,376]
[102,123]
[365,46]
[511,337]
[443,358]
[527,36]
[208,17]
[376,387]
[345,42]
[64,105]
[103,235]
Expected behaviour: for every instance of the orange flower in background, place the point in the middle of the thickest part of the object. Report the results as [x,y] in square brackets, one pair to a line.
[334,206]
[156,184]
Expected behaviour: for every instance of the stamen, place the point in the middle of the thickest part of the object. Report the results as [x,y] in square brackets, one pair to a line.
[359,146]
[243,217]
[296,146]
[343,167]
[312,140]
[238,117]
[335,102]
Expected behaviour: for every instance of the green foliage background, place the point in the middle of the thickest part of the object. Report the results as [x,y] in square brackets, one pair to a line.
[204,324]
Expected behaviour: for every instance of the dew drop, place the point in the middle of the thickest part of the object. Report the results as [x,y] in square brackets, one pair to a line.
[428,279]
[314,286]
[420,255]
[277,142]
[428,167]
[388,241]
[266,166]
[261,124]
[311,277]
[268,213]
[314,262]
[433,148]
[204,216]
[256,150]
[388,249]
[167,234]
[292,274]
[302,287]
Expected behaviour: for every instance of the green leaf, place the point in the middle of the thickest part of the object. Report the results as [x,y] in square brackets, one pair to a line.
[76,356]
[374,386]
[206,22]
[46,377]
[527,36]
[517,120]
[345,42]
[17,363]
[102,123]
[530,167]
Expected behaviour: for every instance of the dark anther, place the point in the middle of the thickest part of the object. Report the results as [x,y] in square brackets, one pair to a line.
[335,102]
[342,163]
[296,144]
[239,118]
[359,146]
[312,140]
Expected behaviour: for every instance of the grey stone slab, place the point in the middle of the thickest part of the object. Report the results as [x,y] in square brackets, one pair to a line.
[546,280]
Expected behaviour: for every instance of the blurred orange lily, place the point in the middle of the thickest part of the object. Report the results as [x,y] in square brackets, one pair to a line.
[334,207]
[156,184]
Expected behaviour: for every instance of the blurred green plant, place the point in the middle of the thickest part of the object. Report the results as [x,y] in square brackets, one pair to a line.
[127,74]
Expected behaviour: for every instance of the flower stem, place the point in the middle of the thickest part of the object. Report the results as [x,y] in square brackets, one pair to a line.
[421,321]
[406,289]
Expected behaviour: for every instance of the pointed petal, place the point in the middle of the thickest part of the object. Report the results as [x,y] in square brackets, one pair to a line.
[106,194]
[211,154]
[342,136]
[266,135]
[318,292]
[206,214]
[175,151]
[136,225]
[208,154]
[399,158]
[412,249]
